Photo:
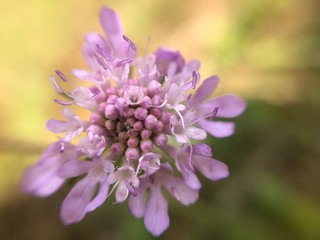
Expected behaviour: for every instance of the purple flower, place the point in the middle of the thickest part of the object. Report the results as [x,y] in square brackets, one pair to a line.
[136,105]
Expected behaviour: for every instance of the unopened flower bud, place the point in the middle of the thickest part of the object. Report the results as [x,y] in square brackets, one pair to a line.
[110,124]
[138,126]
[160,140]
[117,148]
[154,87]
[150,122]
[132,154]
[146,145]
[133,142]
[145,133]
[156,112]
[110,112]
[140,113]
[112,99]
[95,118]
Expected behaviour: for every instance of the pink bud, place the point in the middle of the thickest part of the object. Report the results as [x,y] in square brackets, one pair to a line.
[133,142]
[129,112]
[145,133]
[160,139]
[146,145]
[110,112]
[117,148]
[156,112]
[95,118]
[112,99]
[154,87]
[110,124]
[140,113]
[138,126]
[157,100]
[132,154]
[150,122]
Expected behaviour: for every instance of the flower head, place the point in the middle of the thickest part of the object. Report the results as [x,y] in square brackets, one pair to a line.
[136,105]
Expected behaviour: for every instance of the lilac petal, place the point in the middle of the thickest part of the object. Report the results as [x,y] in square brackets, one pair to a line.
[195,133]
[89,48]
[211,168]
[228,106]
[217,128]
[82,74]
[100,197]
[204,91]
[189,176]
[113,29]
[74,206]
[137,203]
[165,57]
[51,186]
[201,149]
[57,126]
[75,168]
[156,217]
[122,192]
[181,191]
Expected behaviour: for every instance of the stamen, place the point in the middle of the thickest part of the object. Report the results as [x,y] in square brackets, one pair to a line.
[214,113]
[195,79]
[55,84]
[104,53]
[63,103]
[182,121]
[62,147]
[61,75]
[130,188]
[131,44]
[123,62]
[101,62]
[95,91]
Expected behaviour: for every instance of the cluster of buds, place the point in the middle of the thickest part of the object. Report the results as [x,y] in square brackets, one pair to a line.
[140,108]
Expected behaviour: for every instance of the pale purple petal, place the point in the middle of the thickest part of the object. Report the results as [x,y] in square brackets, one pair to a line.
[42,178]
[100,197]
[137,204]
[217,128]
[89,49]
[211,168]
[113,29]
[122,192]
[156,217]
[195,133]
[181,191]
[201,149]
[46,188]
[74,206]
[204,91]
[75,168]
[228,106]
[165,57]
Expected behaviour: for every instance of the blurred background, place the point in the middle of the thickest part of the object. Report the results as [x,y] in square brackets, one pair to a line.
[266,51]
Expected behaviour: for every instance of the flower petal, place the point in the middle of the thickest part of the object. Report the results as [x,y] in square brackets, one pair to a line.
[100,197]
[211,168]
[196,133]
[156,217]
[180,190]
[113,29]
[137,203]
[122,192]
[228,106]
[75,168]
[204,91]
[217,128]
[74,206]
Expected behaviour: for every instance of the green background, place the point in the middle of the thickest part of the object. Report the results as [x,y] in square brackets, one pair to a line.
[266,51]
